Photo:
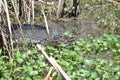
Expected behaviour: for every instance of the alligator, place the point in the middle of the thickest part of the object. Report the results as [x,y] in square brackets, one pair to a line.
[37,35]
[52,41]
[56,40]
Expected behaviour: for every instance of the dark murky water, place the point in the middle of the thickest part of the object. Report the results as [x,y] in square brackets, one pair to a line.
[38,32]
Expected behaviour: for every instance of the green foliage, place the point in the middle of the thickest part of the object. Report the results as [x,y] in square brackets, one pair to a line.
[76,58]
[25,65]
[91,59]
[66,10]
[104,13]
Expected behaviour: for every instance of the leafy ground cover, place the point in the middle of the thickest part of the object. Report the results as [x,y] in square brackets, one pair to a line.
[85,59]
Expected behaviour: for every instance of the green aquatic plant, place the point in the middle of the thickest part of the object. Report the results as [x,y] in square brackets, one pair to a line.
[91,59]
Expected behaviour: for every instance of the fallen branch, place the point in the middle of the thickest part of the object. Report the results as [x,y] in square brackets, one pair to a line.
[54,63]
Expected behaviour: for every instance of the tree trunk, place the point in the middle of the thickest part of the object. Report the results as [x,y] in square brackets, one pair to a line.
[74,11]
[74,8]
[60,10]
[20,8]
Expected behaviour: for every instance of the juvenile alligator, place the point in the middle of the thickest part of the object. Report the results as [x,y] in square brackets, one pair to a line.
[54,41]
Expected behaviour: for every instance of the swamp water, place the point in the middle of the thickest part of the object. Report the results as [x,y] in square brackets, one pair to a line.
[38,32]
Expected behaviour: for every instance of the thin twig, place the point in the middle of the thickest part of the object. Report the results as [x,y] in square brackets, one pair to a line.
[60,69]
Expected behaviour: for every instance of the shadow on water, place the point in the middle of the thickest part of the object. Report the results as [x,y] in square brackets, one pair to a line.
[38,32]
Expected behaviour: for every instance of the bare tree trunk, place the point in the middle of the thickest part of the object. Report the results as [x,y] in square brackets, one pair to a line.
[72,13]
[60,10]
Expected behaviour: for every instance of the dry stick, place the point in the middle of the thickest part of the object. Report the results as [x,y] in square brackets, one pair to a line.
[9,27]
[60,69]
[46,56]
[45,20]
[54,63]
